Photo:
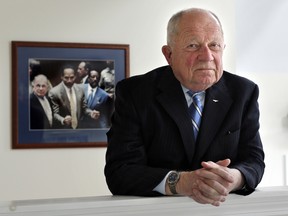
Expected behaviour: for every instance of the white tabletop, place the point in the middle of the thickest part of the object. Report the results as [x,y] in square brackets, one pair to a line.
[264,201]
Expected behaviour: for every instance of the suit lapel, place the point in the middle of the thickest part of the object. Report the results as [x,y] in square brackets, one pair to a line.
[217,104]
[38,104]
[65,98]
[173,101]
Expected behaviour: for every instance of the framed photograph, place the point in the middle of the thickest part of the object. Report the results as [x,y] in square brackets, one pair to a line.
[63,93]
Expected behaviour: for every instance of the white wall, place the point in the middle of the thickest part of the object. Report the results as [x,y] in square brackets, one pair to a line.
[45,173]
[261,50]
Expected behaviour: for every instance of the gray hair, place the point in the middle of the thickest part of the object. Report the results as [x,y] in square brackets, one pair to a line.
[40,76]
[172,27]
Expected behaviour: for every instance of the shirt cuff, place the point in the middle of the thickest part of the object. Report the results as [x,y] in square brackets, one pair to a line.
[161,186]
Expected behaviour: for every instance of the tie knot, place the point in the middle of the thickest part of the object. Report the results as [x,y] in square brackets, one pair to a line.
[196,96]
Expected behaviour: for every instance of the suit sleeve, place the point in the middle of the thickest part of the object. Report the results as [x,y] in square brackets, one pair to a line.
[251,154]
[83,102]
[126,170]
[55,101]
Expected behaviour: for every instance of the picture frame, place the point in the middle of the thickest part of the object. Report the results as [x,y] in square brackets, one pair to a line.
[50,57]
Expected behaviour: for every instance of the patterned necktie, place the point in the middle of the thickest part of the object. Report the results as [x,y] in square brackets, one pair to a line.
[73,110]
[195,111]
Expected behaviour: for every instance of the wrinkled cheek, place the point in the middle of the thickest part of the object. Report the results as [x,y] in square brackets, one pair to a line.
[189,62]
[218,75]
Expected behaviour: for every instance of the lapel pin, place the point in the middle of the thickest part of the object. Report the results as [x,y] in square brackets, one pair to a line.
[216,101]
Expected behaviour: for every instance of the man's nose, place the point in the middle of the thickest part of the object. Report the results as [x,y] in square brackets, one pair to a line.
[205,54]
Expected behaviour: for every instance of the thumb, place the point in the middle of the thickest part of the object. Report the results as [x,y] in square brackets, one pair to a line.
[224,163]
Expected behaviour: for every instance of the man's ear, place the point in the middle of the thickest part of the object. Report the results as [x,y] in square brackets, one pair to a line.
[167,52]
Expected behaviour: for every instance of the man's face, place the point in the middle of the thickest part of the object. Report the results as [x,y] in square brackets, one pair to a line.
[68,77]
[82,72]
[196,53]
[40,87]
[93,79]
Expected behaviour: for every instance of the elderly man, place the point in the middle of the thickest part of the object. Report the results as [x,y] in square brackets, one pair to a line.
[189,128]
[41,114]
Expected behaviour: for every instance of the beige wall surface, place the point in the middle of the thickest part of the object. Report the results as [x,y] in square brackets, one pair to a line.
[52,173]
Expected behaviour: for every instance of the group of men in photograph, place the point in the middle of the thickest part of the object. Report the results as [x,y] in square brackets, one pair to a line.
[77,102]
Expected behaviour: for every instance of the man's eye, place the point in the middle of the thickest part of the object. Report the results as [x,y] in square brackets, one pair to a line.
[193,46]
[215,46]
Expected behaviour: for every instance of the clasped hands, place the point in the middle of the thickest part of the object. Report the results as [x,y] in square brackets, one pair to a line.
[211,184]
[95,114]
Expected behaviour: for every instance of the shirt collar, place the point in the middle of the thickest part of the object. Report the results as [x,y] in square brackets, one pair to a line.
[188,97]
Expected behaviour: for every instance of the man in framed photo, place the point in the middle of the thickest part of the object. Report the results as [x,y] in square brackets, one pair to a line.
[82,72]
[69,102]
[41,113]
[97,99]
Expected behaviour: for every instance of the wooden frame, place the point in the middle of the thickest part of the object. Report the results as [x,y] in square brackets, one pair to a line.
[52,55]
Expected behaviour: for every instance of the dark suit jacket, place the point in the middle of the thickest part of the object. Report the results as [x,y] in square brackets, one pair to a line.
[61,104]
[102,103]
[38,117]
[152,133]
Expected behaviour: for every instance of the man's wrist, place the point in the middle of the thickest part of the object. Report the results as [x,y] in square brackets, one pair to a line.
[240,180]
[171,182]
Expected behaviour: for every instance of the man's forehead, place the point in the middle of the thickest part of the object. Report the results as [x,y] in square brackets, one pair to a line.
[200,20]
